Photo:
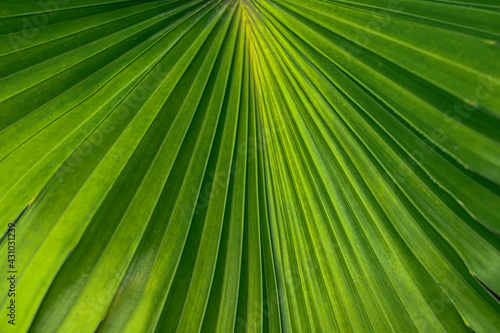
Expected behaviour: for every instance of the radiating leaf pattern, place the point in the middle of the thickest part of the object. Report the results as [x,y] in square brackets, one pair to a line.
[251,165]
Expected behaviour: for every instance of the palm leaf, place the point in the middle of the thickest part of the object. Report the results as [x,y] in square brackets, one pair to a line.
[251,165]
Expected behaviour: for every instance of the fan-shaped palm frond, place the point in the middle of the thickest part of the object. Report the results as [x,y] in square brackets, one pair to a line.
[250,165]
